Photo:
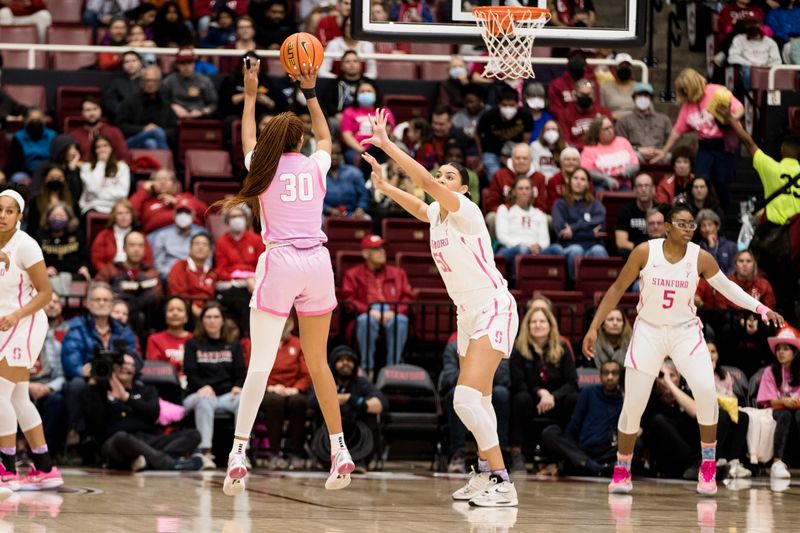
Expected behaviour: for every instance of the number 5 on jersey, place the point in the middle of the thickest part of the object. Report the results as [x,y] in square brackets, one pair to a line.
[669,299]
[297,187]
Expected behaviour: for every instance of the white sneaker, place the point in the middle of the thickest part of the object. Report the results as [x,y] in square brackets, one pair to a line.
[138,464]
[208,461]
[477,483]
[738,471]
[498,494]
[341,467]
[234,478]
[778,470]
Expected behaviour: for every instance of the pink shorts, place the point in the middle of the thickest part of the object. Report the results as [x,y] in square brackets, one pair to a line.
[301,277]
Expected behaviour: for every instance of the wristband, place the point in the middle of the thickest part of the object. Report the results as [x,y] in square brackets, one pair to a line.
[308,93]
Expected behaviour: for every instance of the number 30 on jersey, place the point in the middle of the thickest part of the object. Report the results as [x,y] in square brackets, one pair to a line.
[297,187]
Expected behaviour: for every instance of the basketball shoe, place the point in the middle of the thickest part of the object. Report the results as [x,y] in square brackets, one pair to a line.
[498,493]
[8,480]
[707,479]
[341,467]
[477,483]
[621,483]
[234,478]
[38,480]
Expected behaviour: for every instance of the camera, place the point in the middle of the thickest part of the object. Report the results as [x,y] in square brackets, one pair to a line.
[104,360]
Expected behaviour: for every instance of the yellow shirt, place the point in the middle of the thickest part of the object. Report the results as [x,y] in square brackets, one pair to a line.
[774,175]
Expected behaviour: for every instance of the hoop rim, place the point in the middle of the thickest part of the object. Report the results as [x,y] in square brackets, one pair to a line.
[516,12]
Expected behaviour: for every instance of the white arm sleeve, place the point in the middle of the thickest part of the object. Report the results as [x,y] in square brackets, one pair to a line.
[733,292]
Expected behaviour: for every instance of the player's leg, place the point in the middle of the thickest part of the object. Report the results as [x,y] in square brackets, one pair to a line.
[9,377]
[42,475]
[314,342]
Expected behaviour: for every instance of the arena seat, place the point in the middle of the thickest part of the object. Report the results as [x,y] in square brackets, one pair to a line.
[162,157]
[540,272]
[215,223]
[345,260]
[397,70]
[785,80]
[421,270]
[80,35]
[22,34]
[345,233]
[198,134]
[166,63]
[69,100]
[66,12]
[434,71]
[407,106]
[593,274]
[73,60]
[502,267]
[433,316]
[628,303]
[76,299]
[405,234]
[206,163]
[432,49]
[95,223]
[211,191]
[613,201]
[28,95]
[568,308]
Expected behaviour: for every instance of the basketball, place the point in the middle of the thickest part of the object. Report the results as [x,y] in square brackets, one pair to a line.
[298,49]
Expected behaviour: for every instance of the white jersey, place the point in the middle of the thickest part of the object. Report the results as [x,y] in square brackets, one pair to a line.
[21,345]
[666,296]
[462,250]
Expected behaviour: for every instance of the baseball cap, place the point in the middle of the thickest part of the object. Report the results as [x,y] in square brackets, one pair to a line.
[371,241]
[642,87]
[185,55]
[184,205]
[623,57]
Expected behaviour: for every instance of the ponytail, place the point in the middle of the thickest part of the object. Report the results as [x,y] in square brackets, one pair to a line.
[280,135]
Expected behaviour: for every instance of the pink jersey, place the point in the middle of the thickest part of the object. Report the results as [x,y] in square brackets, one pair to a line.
[462,250]
[291,207]
[666,296]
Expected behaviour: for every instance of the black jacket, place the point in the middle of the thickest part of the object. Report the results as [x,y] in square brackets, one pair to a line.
[213,362]
[560,379]
[138,110]
[105,417]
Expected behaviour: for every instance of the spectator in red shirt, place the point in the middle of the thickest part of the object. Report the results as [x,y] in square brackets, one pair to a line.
[286,400]
[168,345]
[677,185]
[193,278]
[155,202]
[521,165]
[731,14]
[24,12]
[93,125]
[745,274]
[330,25]
[107,245]
[570,160]
[561,91]
[577,116]
[237,251]
[374,289]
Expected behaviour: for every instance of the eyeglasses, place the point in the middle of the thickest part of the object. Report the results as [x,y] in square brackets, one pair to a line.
[691,226]
[101,300]
[644,185]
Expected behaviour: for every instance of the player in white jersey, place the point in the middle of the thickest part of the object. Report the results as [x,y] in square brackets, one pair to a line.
[667,325]
[24,291]
[487,313]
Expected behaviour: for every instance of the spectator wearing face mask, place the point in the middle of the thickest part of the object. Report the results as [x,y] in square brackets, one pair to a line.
[546,148]
[505,123]
[534,100]
[30,146]
[450,90]
[172,243]
[64,249]
[617,95]
[562,90]
[579,114]
[646,129]
[753,49]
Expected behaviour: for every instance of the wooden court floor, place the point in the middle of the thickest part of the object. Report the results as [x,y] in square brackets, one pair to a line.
[94,501]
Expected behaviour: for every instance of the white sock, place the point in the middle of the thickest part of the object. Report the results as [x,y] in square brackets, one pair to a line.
[337,443]
[239,446]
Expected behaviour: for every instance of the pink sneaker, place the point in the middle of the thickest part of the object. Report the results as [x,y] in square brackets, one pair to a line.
[341,467]
[621,483]
[37,480]
[707,479]
[8,480]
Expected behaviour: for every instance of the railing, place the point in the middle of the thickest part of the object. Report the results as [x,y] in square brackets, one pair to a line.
[773,95]
[31,49]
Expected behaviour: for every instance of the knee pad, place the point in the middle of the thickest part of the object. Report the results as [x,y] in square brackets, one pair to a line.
[27,414]
[467,405]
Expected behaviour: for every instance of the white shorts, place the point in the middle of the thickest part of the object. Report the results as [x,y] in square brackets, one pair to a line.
[21,346]
[651,344]
[497,319]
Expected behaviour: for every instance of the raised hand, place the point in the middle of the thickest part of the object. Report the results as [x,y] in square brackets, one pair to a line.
[251,77]
[380,137]
[377,173]
[307,77]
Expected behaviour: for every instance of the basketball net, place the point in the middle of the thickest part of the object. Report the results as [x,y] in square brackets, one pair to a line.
[509,33]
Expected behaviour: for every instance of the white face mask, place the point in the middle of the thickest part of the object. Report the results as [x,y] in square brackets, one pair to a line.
[550,136]
[536,102]
[183,220]
[237,224]
[642,102]
[508,112]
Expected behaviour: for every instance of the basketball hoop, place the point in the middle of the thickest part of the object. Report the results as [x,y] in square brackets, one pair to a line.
[509,33]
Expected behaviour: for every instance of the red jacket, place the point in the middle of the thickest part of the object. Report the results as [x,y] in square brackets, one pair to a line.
[154,213]
[104,249]
[163,346]
[574,122]
[665,192]
[233,255]
[290,368]
[395,286]
[186,280]
[21,8]
[758,287]
[84,136]
[501,183]
[555,190]
[560,92]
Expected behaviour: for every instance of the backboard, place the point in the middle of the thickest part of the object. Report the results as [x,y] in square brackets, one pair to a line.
[615,23]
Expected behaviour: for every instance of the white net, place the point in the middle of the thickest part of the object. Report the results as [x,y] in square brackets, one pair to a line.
[509,34]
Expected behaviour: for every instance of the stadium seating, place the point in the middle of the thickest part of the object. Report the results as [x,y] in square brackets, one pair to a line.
[211,191]
[397,70]
[593,274]
[80,35]
[73,60]
[614,202]
[69,100]
[628,303]
[198,134]
[22,34]
[421,270]
[405,235]
[569,308]
[206,163]
[162,157]
[345,233]
[95,223]
[407,106]
[540,273]
[345,260]
[65,12]
[28,95]
[433,316]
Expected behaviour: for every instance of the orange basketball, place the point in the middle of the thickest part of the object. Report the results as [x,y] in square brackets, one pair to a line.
[299,49]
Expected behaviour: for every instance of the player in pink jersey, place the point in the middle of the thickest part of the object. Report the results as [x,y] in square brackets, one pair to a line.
[487,313]
[286,189]
[24,291]
[667,324]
